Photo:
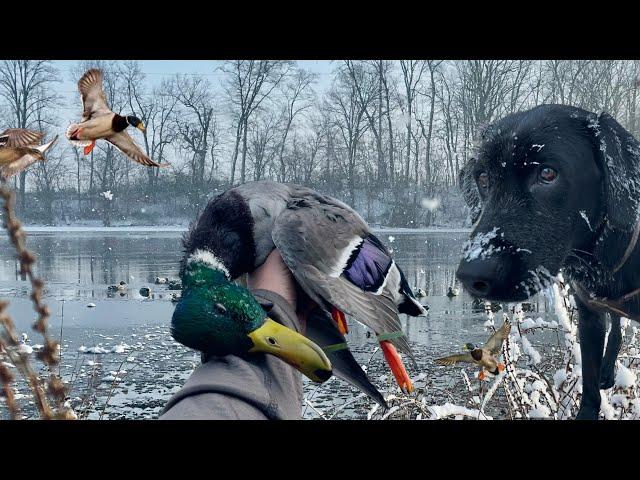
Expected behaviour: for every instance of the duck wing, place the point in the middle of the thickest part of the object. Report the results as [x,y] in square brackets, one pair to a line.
[322,330]
[338,263]
[494,344]
[453,359]
[17,166]
[46,146]
[19,137]
[94,102]
[123,142]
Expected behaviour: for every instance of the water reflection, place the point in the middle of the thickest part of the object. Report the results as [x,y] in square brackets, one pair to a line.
[79,268]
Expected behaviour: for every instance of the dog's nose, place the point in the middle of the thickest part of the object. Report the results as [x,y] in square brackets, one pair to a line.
[478,276]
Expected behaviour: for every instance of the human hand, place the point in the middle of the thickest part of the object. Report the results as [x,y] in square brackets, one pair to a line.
[275,276]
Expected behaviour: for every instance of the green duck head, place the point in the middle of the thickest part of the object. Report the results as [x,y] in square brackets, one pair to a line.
[469,347]
[218,317]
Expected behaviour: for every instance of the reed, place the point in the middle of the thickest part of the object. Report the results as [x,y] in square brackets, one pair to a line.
[51,391]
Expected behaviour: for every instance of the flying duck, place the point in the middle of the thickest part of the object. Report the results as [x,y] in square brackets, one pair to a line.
[99,122]
[327,246]
[19,149]
[484,356]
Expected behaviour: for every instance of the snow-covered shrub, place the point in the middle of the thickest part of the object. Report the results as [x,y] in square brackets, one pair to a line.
[534,385]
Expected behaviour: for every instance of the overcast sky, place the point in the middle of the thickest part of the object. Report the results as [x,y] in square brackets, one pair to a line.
[157,70]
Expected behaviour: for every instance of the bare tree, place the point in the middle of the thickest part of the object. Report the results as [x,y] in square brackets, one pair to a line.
[195,123]
[249,83]
[349,113]
[26,89]
[412,71]
[155,109]
[262,148]
[297,95]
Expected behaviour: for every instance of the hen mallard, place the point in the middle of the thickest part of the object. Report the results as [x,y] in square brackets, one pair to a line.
[19,149]
[99,122]
[484,356]
[219,317]
[330,251]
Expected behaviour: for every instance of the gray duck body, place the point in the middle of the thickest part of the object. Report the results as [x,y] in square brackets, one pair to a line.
[328,247]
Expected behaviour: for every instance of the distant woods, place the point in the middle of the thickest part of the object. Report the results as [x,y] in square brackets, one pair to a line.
[381,135]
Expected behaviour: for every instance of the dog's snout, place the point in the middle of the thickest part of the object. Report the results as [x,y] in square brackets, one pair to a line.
[478,276]
[480,288]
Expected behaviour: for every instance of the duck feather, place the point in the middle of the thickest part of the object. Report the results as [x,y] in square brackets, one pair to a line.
[123,142]
[19,137]
[94,101]
[312,235]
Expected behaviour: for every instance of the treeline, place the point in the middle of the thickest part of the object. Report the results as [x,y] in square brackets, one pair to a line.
[381,135]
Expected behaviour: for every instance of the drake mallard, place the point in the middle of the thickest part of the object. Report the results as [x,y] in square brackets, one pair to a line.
[218,317]
[484,356]
[99,122]
[328,247]
[19,149]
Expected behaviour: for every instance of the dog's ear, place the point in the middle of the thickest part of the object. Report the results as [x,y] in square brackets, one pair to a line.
[469,190]
[619,155]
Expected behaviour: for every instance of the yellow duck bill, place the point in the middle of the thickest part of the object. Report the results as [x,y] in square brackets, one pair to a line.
[295,349]
[141,127]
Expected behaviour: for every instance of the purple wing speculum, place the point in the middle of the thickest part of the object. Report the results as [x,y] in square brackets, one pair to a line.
[368,264]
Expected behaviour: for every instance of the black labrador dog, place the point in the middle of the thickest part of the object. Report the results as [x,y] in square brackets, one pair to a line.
[557,187]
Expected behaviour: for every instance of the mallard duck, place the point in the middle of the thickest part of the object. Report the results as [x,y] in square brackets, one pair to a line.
[121,287]
[161,280]
[420,293]
[479,304]
[145,292]
[327,246]
[484,356]
[99,122]
[19,149]
[175,285]
[175,297]
[219,317]
[453,292]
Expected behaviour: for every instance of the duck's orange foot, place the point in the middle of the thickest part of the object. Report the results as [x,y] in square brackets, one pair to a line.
[340,320]
[482,375]
[501,367]
[89,148]
[397,367]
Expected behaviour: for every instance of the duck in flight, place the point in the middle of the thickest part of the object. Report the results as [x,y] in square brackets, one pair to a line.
[19,149]
[99,122]
[484,356]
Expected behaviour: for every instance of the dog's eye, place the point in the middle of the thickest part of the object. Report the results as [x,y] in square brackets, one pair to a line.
[483,180]
[548,175]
